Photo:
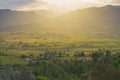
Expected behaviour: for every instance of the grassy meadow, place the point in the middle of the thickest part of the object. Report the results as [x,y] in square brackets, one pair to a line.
[15,44]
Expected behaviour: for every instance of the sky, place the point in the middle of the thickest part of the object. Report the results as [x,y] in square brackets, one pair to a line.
[55,5]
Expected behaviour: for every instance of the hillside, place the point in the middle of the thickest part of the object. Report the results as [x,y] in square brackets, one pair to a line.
[91,19]
[95,19]
[22,20]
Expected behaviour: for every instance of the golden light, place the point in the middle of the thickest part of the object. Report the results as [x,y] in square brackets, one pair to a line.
[60,5]
[65,4]
[72,4]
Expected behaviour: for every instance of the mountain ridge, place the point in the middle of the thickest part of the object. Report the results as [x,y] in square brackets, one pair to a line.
[94,17]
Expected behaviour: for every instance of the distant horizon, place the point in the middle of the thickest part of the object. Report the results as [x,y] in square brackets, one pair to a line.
[54,5]
[54,11]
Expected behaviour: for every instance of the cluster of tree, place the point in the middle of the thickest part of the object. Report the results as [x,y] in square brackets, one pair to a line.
[102,66]
[3,54]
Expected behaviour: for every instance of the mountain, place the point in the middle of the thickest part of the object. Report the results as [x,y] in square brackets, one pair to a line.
[94,19]
[20,20]
[94,16]
[91,19]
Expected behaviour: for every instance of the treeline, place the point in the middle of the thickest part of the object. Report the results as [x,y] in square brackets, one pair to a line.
[99,65]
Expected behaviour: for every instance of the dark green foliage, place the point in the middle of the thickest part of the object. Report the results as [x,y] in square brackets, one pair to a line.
[80,54]
[23,56]
[102,65]
[10,73]
[41,78]
[3,54]
[104,72]
[108,52]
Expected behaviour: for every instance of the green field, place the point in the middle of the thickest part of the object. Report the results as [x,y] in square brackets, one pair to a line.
[58,56]
[16,44]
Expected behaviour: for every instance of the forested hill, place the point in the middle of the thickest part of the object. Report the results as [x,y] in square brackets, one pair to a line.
[104,18]
[18,20]
[107,17]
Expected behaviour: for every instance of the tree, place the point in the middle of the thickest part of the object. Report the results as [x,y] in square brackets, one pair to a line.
[23,56]
[104,72]
[108,52]
[41,78]
[80,54]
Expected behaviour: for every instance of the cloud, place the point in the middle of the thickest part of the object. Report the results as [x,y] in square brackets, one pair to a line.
[39,4]
[111,1]
[15,4]
[35,5]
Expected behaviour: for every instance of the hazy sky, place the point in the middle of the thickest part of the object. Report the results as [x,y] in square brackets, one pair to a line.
[56,5]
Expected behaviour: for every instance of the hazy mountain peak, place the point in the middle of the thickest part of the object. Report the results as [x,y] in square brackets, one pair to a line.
[95,16]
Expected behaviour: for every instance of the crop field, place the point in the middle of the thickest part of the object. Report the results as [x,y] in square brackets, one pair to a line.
[15,44]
